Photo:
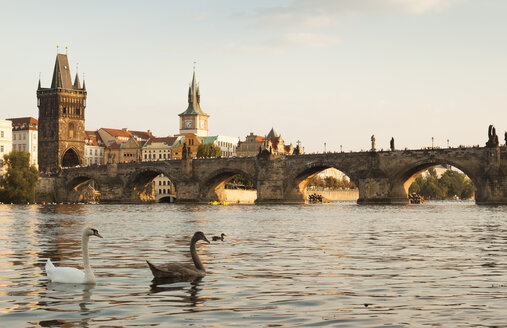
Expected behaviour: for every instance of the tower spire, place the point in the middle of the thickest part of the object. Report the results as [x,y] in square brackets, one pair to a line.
[77,84]
[39,87]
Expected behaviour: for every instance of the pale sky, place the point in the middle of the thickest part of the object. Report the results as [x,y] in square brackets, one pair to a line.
[319,71]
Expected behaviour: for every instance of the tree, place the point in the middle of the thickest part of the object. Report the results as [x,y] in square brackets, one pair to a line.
[209,150]
[450,185]
[239,180]
[20,180]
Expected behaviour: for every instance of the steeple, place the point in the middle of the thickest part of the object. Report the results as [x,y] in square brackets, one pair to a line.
[61,73]
[77,84]
[84,86]
[39,87]
[194,99]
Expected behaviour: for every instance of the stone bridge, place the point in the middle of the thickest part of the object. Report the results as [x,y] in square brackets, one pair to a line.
[382,177]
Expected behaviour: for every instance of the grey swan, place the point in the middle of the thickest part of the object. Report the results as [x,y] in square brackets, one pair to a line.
[216,238]
[182,270]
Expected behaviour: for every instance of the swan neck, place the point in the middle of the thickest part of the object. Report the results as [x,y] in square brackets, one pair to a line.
[89,276]
[195,256]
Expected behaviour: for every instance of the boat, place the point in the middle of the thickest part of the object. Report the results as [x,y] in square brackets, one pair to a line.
[218,203]
[416,198]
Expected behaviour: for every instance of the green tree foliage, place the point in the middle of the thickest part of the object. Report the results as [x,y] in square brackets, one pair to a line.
[331,183]
[450,185]
[241,182]
[18,184]
[209,150]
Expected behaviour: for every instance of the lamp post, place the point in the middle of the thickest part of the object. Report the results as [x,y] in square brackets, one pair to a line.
[324,147]
[448,143]
[341,149]
[432,139]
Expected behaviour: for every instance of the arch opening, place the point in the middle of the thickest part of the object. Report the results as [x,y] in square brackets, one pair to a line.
[439,182]
[70,158]
[83,189]
[152,186]
[231,186]
[320,183]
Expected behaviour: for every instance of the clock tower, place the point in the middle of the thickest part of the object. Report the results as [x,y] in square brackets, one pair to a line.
[194,120]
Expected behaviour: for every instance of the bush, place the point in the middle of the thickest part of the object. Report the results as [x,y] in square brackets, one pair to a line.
[19,182]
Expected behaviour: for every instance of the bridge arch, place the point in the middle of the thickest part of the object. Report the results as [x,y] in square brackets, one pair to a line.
[83,188]
[405,177]
[140,184]
[296,190]
[213,187]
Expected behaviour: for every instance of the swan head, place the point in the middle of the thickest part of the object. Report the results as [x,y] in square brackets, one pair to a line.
[91,232]
[223,234]
[199,235]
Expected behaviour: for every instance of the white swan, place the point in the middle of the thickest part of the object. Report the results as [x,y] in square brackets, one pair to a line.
[73,275]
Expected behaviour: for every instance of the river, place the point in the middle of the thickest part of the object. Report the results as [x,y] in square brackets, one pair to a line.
[340,264]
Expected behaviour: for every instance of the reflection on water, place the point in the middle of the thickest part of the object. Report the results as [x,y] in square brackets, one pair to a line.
[340,264]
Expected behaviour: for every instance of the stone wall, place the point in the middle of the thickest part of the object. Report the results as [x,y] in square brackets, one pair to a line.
[240,196]
[337,194]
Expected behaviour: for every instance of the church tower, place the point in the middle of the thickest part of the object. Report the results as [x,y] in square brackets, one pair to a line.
[194,120]
[61,119]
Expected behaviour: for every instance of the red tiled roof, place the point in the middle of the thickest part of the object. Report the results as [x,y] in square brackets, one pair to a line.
[24,123]
[143,135]
[97,140]
[167,140]
[274,141]
[118,133]
[115,145]
[260,138]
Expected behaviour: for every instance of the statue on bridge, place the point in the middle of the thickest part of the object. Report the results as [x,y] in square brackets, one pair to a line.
[392,144]
[505,139]
[373,143]
[184,152]
[492,137]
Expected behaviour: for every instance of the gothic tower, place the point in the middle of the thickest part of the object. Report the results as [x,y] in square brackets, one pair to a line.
[194,120]
[61,119]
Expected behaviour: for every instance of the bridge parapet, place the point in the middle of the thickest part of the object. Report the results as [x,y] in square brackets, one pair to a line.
[382,176]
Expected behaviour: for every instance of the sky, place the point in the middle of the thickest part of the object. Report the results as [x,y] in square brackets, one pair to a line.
[329,73]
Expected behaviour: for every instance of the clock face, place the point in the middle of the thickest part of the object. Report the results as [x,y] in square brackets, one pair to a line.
[188,124]
[202,124]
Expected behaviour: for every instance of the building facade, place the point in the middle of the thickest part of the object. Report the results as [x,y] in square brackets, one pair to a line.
[158,149]
[94,149]
[227,145]
[193,120]
[273,142]
[164,189]
[5,142]
[25,136]
[61,119]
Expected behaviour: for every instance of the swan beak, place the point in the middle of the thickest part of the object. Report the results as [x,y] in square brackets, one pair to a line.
[96,233]
[205,239]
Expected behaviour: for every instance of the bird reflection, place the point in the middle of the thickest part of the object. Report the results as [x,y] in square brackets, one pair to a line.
[56,293]
[173,286]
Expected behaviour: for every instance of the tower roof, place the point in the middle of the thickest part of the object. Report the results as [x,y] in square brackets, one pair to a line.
[194,108]
[273,134]
[77,84]
[61,73]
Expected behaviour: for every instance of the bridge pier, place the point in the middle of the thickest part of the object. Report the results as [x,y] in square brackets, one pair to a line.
[381,191]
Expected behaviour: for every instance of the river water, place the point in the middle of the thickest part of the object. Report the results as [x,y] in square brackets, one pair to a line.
[341,265]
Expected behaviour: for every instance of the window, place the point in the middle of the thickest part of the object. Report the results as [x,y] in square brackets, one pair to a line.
[1,134]
[1,148]
[24,136]
[14,137]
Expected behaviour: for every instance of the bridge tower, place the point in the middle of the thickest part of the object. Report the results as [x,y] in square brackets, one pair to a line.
[61,119]
[193,119]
